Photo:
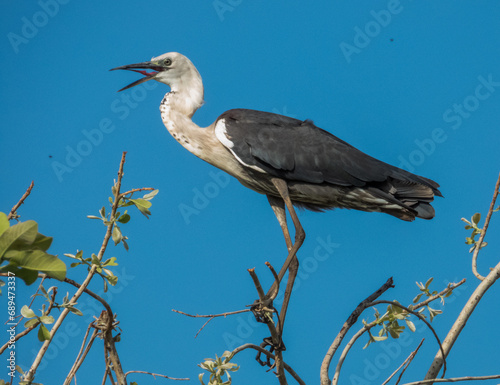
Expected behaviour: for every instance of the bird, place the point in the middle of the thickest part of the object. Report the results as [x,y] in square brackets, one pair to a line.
[293,162]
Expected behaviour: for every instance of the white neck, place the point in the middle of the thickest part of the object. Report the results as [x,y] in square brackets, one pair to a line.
[177,108]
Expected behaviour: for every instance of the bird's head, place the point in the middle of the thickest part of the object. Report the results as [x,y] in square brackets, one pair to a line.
[171,68]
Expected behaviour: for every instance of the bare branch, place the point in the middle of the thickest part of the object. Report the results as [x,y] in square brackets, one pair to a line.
[345,328]
[155,375]
[211,315]
[351,342]
[136,190]
[81,355]
[483,231]
[455,379]
[273,294]
[13,210]
[406,363]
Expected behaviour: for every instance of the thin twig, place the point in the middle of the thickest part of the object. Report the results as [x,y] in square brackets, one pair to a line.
[30,374]
[455,379]
[272,295]
[436,296]
[81,356]
[483,231]
[408,361]
[421,318]
[154,375]
[270,355]
[345,328]
[92,294]
[409,358]
[136,190]
[211,315]
[12,213]
[348,346]
[34,326]
[203,326]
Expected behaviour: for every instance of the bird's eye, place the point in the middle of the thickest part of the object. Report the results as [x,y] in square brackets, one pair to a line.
[167,62]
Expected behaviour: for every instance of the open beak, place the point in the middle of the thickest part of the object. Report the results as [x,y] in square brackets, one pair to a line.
[155,67]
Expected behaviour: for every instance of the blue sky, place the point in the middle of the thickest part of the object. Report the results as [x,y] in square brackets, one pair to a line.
[416,85]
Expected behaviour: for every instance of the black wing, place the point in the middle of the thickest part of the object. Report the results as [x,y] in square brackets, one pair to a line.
[298,150]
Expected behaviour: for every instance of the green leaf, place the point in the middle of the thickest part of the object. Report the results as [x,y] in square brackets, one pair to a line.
[124,218]
[41,242]
[143,205]
[117,235]
[93,217]
[410,325]
[150,195]
[47,319]
[74,310]
[18,236]
[428,282]
[28,276]
[26,312]
[110,262]
[43,333]
[39,260]
[476,218]
[4,223]
[417,298]
[31,322]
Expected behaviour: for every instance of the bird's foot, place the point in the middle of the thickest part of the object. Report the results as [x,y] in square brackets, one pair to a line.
[263,310]
[272,347]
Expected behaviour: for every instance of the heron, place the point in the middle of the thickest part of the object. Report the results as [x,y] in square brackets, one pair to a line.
[291,161]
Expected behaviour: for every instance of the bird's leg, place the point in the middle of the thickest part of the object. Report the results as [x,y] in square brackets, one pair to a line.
[292,263]
[278,206]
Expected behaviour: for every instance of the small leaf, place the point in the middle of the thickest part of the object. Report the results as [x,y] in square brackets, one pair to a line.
[150,195]
[476,218]
[417,298]
[31,322]
[410,325]
[143,206]
[26,312]
[93,217]
[124,218]
[117,235]
[74,310]
[43,333]
[428,282]
[47,319]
